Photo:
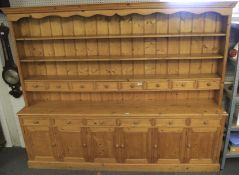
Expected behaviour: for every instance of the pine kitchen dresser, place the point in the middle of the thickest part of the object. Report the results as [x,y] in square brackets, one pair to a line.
[123,87]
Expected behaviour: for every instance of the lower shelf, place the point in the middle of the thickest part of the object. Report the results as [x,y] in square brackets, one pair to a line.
[127,167]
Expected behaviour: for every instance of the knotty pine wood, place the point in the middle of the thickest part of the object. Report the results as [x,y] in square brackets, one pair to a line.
[134,87]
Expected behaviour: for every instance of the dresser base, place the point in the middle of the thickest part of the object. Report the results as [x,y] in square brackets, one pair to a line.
[125,167]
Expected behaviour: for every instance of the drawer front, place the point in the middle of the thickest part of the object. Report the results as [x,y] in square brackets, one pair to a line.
[134,122]
[208,84]
[36,122]
[36,86]
[178,84]
[205,122]
[170,122]
[82,86]
[101,122]
[132,85]
[70,122]
[160,85]
[106,86]
[59,86]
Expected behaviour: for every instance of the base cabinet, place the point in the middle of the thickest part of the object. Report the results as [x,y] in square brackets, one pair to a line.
[136,142]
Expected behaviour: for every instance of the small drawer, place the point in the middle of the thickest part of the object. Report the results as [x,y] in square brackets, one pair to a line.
[181,84]
[36,86]
[82,86]
[37,121]
[205,122]
[160,85]
[132,85]
[171,122]
[101,122]
[134,122]
[106,86]
[208,84]
[70,122]
[59,86]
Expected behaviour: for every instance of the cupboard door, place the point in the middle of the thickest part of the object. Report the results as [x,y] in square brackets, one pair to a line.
[72,142]
[135,145]
[170,145]
[39,143]
[202,145]
[103,142]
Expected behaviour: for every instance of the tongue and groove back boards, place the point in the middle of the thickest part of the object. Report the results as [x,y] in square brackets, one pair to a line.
[181,43]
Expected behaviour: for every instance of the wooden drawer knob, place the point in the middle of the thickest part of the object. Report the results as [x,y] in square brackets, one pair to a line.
[82,86]
[36,122]
[208,84]
[136,122]
[155,146]
[183,84]
[84,145]
[132,85]
[158,85]
[170,122]
[117,146]
[106,86]
[205,122]
[122,146]
[35,86]
[188,146]
[68,123]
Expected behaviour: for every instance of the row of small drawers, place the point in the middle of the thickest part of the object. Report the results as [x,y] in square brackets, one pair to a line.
[125,122]
[124,86]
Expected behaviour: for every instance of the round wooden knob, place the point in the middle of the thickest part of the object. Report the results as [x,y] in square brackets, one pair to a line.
[117,145]
[101,122]
[36,122]
[35,86]
[189,146]
[122,145]
[84,145]
[205,122]
[170,122]
[208,84]
[183,84]
[69,122]
[106,86]
[132,86]
[155,146]
[136,122]
[157,85]
[82,86]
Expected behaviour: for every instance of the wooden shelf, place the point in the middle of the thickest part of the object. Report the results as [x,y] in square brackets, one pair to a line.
[178,108]
[119,77]
[119,58]
[32,38]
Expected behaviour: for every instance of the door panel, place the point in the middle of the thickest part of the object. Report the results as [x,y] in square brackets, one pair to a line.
[171,145]
[201,145]
[39,143]
[72,144]
[102,143]
[135,145]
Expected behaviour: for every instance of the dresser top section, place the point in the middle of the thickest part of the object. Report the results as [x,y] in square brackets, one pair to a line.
[121,9]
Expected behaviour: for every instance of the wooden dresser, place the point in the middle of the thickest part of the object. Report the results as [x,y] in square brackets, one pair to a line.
[125,87]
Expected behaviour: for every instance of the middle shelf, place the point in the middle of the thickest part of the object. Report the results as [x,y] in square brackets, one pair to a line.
[123,83]
[120,58]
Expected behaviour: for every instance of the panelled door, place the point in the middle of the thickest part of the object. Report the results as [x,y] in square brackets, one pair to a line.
[72,140]
[202,145]
[135,144]
[170,145]
[39,139]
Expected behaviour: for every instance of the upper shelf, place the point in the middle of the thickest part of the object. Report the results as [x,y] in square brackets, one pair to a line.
[119,58]
[37,38]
